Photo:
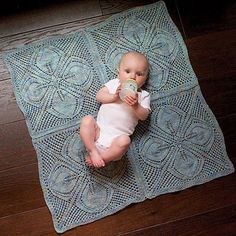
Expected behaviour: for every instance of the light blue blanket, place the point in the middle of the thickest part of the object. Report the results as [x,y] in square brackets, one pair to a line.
[55,82]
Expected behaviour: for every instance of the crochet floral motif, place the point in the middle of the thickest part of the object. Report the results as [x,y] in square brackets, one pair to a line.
[48,81]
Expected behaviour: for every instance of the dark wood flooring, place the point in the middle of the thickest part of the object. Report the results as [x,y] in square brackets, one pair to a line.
[209,31]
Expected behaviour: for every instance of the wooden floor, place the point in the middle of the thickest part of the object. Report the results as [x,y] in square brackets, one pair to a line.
[209,31]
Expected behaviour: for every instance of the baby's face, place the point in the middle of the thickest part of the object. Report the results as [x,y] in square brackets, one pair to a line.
[133,66]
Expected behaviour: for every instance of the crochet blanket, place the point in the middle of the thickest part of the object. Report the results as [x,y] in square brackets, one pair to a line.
[55,81]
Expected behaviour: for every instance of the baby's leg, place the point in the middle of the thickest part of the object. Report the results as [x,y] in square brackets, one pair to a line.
[89,132]
[118,148]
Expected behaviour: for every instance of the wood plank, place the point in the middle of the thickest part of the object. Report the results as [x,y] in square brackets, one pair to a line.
[167,208]
[227,124]
[45,16]
[201,17]
[37,222]
[10,111]
[18,41]
[217,222]
[222,102]
[110,6]
[231,149]
[20,190]
[16,146]
[227,228]
[216,71]
[213,54]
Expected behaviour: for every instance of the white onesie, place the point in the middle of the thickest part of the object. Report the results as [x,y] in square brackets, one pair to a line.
[115,119]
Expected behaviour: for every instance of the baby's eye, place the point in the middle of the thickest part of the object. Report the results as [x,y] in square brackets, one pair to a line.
[127,71]
[139,74]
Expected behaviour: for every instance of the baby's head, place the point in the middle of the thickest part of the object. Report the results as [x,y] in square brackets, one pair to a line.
[133,65]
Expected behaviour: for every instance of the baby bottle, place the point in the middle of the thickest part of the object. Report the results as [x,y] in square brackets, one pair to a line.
[129,88]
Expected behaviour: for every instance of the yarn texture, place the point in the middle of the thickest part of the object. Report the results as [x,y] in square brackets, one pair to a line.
[55,83]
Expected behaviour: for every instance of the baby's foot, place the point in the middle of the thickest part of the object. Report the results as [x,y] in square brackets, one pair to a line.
[88,161]
[96,159]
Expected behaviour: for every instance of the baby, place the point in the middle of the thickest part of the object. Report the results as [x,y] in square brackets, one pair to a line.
[108,138]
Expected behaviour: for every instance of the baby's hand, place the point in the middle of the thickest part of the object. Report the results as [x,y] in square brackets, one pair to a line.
[132,100]
[116,96]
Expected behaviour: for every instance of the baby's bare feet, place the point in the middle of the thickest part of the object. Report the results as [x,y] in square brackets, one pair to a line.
[96,159]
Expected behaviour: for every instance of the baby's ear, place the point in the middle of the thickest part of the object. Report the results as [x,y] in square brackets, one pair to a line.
[117,71]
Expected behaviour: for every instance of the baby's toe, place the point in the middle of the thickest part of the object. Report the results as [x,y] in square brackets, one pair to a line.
[88,161]
[95,164]
[89,164]
[102,163]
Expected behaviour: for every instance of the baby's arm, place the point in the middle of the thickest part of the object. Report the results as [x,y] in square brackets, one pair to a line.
[141,112]
[104,96]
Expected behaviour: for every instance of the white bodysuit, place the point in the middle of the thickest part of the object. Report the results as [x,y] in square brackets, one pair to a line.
[115,119]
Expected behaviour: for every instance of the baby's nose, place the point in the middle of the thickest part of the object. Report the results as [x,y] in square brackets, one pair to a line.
[132,76]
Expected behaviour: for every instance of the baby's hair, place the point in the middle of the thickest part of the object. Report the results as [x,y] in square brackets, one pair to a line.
[133,52]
